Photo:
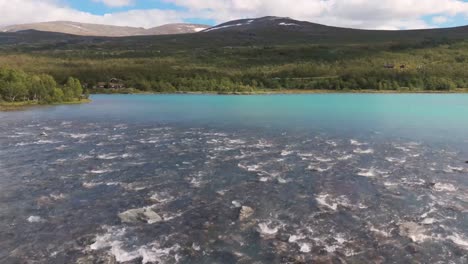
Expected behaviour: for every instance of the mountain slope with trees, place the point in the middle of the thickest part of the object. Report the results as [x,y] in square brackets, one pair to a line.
[250,55]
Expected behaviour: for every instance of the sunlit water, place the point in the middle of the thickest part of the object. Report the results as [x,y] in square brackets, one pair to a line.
[329,179]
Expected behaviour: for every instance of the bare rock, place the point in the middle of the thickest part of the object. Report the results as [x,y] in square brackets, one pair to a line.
[141,215]
[245,213]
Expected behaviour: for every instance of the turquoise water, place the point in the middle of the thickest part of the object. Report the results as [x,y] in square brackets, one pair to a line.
[415,115]
[330,178]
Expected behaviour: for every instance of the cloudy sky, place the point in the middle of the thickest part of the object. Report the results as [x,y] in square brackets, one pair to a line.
[369,14]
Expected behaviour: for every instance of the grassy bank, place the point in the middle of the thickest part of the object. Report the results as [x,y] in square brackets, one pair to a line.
[14,106]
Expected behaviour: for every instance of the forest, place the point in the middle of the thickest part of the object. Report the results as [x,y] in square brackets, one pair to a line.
[422,66]
[18,86]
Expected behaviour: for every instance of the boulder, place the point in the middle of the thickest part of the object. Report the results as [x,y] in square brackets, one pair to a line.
[141,215]
[245,213]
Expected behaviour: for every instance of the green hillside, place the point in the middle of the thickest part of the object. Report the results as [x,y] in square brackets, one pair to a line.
[258,55]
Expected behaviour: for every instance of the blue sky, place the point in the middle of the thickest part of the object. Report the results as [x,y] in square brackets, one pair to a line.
[368,14]
[99,8]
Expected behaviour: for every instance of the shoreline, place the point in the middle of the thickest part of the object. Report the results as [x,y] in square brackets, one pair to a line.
[16,106]
[299,91]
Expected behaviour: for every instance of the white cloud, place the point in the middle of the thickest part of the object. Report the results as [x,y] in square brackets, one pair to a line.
[382,14]
[30,11]
[115,3]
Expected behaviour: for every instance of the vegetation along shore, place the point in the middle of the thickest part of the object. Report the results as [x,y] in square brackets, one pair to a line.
[19,90]
[246,59]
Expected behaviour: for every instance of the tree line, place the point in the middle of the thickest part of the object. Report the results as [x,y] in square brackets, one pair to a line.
[19,86]
[437,67]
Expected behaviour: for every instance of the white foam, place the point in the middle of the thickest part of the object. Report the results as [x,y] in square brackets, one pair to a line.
[363,151]
[100,171]
[286,153]
[380,232]
[356,143]
[321,159]
[149,141]
[84,156]
[161,198]
[428,221]
[35,219]
[61,147]
[390,184]
[236,204]
[196,247]
[322,200]
[265,230]
[305,248]
[263,144]
[445,187]
[58,197]
[295,238]
[305,156]
[113,240]
[402,148]
[454,169]
[79,136]
[282,181]
[395,160]
[345,157]
[318,168]
[89,185]
[40,142]
[236,141]
[459,240]
[414,231]
[108,156]
[196,182]
[252,168]
[367,172]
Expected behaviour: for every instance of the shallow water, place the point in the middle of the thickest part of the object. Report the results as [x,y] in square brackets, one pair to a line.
[340,178]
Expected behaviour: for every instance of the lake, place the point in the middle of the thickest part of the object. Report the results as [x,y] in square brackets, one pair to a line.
[320,178]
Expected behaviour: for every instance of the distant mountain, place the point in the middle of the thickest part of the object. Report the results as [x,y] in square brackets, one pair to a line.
[180,28]
[85,29]
[269,22]
[263,32]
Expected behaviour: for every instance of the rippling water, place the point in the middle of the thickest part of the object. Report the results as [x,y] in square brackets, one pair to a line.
[237,179]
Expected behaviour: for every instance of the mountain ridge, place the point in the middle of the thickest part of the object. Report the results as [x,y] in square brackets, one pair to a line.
[255,32]
[102,30]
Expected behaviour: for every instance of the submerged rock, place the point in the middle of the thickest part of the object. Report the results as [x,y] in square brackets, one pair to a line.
[141,215]
[245,213]
[267,232]
[413,231]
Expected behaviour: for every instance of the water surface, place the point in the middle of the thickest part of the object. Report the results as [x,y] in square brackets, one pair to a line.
[330,178]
